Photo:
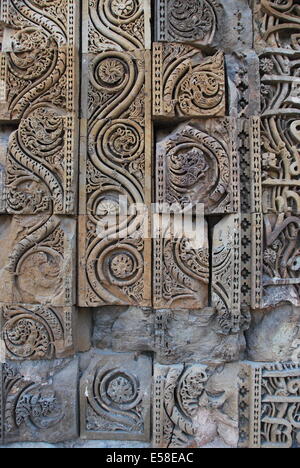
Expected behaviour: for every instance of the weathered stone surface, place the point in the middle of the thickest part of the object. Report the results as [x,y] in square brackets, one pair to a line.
[185,197]
[182,268]
[115,397]
[174,335]
[222,23]
[37,265]
[195,405]
[226,273]
[123,329]
[243,81]
[281,326]
[39,401]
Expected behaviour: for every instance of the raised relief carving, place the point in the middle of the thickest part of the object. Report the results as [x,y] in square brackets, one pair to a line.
[118,25]
[269,405]
[186,83]
[115,398]
[40,164]
[198,164]
[39,64]
[281,259]
[178,20]
[54,19]
[115,246]
[226,274]
[38,264]
[38,401]
[273,19]
[192,408]
[280,131]
[181,277]
[37,332]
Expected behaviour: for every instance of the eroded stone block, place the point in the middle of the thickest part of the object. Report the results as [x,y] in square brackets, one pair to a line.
[281,325]
[281,261]
[222,23]
[173,335]
[115,397]
[195,405]
[39,401]
[38,264]
[181,277]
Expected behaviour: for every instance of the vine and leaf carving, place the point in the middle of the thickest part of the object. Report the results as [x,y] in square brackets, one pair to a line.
[186,83]
[29,404]
[36,332]
[114,397]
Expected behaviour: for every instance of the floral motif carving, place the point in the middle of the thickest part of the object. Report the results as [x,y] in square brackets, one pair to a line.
[37,267]
[115,399]
[117,159]
[40,165]
[183,395]
[226,274]
[281,259]
[185,83]
[35,332]
[182,21]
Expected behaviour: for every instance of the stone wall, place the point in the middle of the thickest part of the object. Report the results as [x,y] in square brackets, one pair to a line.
[150,223]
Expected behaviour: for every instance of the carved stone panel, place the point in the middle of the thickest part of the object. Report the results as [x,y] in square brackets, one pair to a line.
[281,260]
[180,21]
[52,82]
[115,244]
[37,332]
[269,405]
[37,262]
[41,164]
[117,25]
[225,24]
[39,401]
[272,20]
[277,42]
[186,83]
[195,405]
[38,82]
[181,278]
[198,164]
[226,273]
[56,20]
[115,397]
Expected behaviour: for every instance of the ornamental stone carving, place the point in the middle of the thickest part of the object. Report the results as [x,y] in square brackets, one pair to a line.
[150,223]
[115,392]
